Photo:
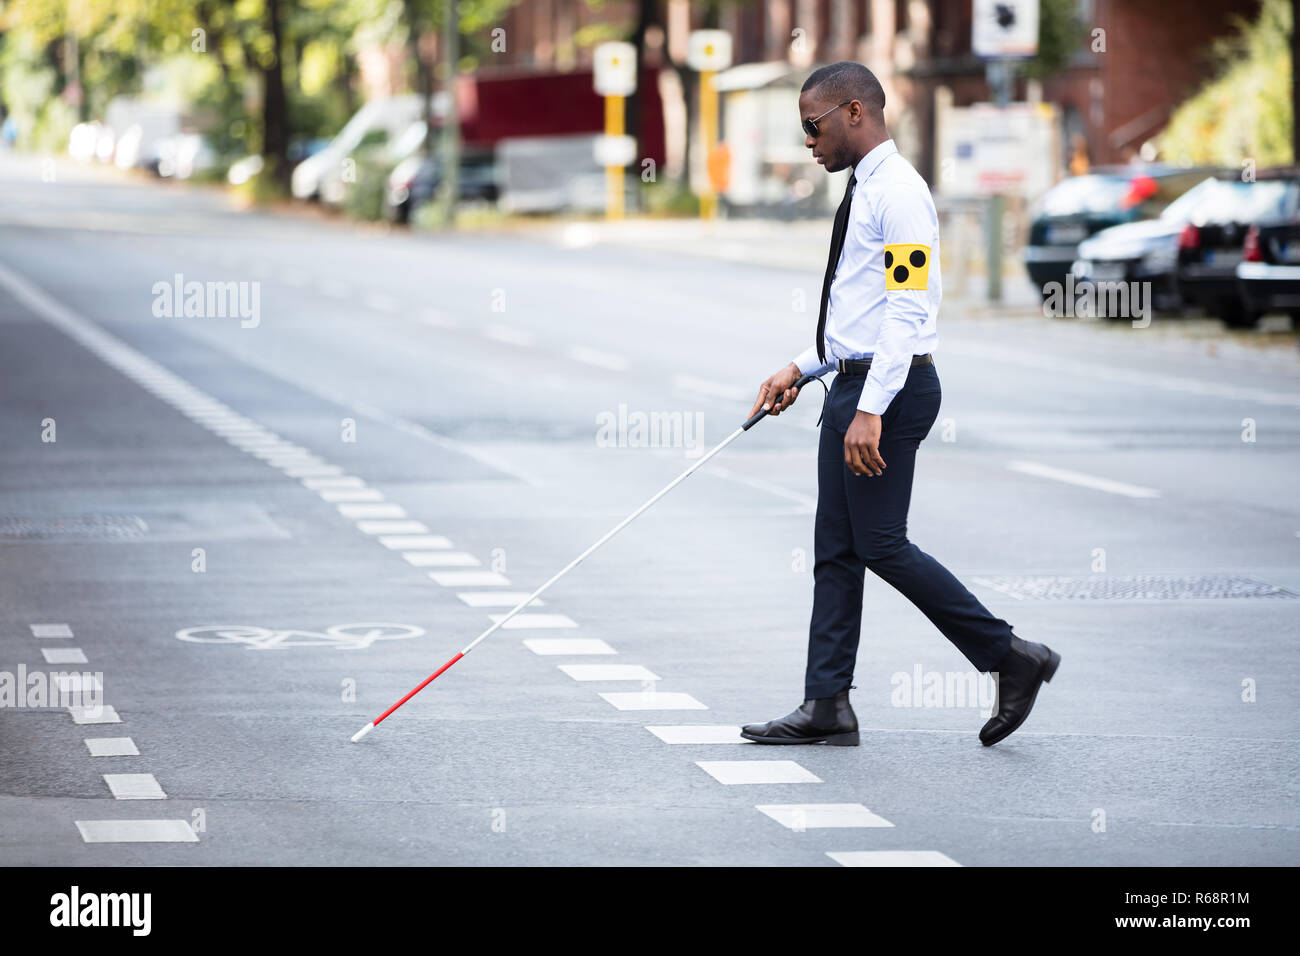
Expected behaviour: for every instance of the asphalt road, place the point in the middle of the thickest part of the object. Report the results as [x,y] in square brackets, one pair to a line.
[1089,482]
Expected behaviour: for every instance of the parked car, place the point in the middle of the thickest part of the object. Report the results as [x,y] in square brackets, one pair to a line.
[1268,277]
[376,123]
[1209,252]
[1082,206]
[415,181]
[1147,251]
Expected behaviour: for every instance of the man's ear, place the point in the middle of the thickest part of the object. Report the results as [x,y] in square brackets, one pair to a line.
[856,113]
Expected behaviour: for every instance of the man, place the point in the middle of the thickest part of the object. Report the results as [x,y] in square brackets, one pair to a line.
[877,328]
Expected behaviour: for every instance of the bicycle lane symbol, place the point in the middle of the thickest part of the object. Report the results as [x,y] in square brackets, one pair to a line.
[349,637]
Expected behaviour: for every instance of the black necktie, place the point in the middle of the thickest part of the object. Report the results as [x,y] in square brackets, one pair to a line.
[837,246]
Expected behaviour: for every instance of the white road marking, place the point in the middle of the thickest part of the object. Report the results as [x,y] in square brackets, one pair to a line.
[351,494]
[468,579]
[401,542]
[570,646]
[334,289]
[809,503]
[64,655]
[526,621]
[588,672]
[1084,481]
[509,335]
[440,559]
[51,630]
[112,747]
[741,772]
[311,471]
[381,302]
[136,831]
[497,598]
[391,527]
[652,700]
[79,684]
[102,714]
[372,511]
[817,816]
[337,481]
[698,734]
[134,786]
[588,356]
[892,858]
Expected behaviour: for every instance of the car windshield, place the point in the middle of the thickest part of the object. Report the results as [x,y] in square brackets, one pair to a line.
[1231,200]
[1084,194]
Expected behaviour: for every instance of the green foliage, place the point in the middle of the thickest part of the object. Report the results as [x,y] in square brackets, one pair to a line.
[1060,35]
[1245,112]
[364,199]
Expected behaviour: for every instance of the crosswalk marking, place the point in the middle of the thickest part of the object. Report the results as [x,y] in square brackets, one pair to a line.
[526,620]
[335,481]
[51,630]
[892,858]
[413,542]
[112,747]
[589,672]
[497,598]
[79,684]
[64,655]
[817,816]
[136,831]
[741,772]
[546,646]
[370,510]
[134,786]
[698,734]
[440,559]
[653,700]
[468,579]
[350,494]
[391,527]
[101,714]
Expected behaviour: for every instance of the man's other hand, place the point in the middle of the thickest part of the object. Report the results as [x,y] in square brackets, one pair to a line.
[862,445]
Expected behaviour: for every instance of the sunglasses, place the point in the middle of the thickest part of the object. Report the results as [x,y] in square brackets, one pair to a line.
[810,125]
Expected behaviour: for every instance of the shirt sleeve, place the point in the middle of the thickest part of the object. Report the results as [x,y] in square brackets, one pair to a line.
[908,228]
[809,364]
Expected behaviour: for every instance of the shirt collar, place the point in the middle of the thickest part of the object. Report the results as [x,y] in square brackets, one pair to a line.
[871,162]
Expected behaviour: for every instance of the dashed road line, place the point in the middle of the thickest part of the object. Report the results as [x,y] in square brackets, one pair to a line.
[597,672]
[892,858]
[746,772]
[817,816]
[440,559]
[63,655]
[590,356]
[468,579]
[653,700]
[527,621]
[698,734]
[51,630]
[414,542]
[1082,480]
[94,714]
[112,747]
[136,831]
[134,786]
[497,598]
[372,510]
[567,646]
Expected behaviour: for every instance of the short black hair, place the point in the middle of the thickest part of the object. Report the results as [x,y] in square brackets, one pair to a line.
[847,80]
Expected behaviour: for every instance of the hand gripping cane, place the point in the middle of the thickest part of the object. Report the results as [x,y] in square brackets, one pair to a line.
[757,417]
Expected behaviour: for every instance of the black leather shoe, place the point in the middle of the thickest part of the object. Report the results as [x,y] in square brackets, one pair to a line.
[1024,669]
[828,719]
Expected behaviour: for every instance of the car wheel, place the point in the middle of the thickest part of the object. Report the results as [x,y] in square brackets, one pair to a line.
[1237,316]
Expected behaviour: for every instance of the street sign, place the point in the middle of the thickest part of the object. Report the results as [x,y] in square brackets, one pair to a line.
[709,50]
[1004,28]
[614,69]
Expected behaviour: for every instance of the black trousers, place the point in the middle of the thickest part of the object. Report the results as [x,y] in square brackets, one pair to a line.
[862,523]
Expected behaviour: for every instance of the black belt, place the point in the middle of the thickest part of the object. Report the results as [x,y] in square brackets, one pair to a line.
[862,366]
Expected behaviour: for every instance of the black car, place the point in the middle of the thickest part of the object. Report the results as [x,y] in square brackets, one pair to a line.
[1082,206]
[1210,250]
[415,181]
[1268,277]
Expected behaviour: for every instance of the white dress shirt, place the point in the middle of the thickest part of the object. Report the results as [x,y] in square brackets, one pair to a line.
[886,312]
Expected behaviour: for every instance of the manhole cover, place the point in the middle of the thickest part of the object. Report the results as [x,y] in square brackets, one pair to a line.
[72,526]
[1140,587]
